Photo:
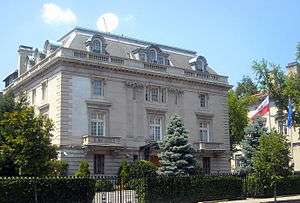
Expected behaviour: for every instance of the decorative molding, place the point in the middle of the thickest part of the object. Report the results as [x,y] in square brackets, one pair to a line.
[173,90]
[134,84]
[204,115]
[98,103]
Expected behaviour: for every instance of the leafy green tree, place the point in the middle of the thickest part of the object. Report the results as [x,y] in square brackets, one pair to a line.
[141,169]
[176,154]
[271,161]
[238,116]
[25,147]
[83,170]
[292,91]
[246,87]
[59,167]
[249,145]
[280,87]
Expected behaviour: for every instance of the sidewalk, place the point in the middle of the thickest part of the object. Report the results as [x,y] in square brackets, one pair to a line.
[281,199]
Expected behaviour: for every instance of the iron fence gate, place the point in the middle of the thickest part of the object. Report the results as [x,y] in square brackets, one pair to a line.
[111,189]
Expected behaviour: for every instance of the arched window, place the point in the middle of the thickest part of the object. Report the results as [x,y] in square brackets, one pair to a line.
[152,55]
[97,46]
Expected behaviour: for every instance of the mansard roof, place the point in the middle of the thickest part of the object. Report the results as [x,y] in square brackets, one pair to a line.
[121,46]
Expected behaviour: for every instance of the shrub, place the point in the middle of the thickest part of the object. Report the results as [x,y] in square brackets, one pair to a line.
[53,189]
[287,186]
[104,186]
[83,170]
[142,168]
[59,167]
[190,188]
[123,172]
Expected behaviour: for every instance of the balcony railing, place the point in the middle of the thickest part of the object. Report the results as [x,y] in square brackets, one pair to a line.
[101,141]
[209,146]
[82,55]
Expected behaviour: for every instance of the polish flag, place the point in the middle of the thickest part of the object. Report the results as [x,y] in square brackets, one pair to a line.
[263,108]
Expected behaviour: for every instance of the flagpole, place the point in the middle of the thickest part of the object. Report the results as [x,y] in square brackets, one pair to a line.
[269,114]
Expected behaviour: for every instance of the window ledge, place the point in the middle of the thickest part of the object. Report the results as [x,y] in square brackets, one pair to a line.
[98,103]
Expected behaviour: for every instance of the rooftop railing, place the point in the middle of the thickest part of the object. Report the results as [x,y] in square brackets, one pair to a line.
[126,62]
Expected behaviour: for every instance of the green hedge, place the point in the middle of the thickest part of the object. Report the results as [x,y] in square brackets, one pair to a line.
[104,185]
[191,188]
[288,186]
[64,189]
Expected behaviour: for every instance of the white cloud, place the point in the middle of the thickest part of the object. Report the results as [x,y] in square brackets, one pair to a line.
[107,22]
[52,13]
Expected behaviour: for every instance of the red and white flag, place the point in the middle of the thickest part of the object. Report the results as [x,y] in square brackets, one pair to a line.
[263,108]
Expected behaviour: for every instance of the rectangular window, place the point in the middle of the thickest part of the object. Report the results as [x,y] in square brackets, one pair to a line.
[44,90]
[203,100]
[97,123]
[160,60]
[156,94]
[97,87]
[155,127]
[163,95]
[33,96]
[204,131]
[206,165]
[98,164]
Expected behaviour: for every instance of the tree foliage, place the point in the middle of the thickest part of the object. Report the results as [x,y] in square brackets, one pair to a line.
[272,80]
[246,87]
[238,116]
[249,145]
[176,154]
[25,146]
[271,160]
[83,170]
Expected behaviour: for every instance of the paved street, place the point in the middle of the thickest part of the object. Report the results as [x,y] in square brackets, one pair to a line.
[293,199]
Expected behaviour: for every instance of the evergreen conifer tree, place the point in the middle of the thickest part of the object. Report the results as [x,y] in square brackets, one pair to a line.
[249,145]
[176,154]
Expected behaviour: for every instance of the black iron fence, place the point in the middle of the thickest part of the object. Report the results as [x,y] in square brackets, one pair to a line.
[111,189]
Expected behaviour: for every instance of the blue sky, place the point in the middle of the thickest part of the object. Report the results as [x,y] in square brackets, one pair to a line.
[230,34]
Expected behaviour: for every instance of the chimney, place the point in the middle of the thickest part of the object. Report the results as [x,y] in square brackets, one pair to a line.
[24,52]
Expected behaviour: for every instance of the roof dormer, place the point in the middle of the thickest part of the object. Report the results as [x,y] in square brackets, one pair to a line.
[96,44]
[152,54]
[199,64]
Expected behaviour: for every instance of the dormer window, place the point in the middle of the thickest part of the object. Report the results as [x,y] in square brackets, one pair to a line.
[97,46]
[142,56]
[152,55]
[160,60]
[199,64]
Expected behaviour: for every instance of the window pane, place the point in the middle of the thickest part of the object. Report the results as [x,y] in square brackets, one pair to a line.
[202,100]
[93,128]
[160,60]
[98,164]
[97,87]
[152,55]
[154,94]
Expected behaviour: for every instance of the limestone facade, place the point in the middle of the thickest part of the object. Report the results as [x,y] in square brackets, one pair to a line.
[110,98]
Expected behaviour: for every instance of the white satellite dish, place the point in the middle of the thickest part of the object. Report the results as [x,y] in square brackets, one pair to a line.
[107,22]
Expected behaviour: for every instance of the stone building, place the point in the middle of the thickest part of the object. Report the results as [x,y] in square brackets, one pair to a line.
[111,96]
